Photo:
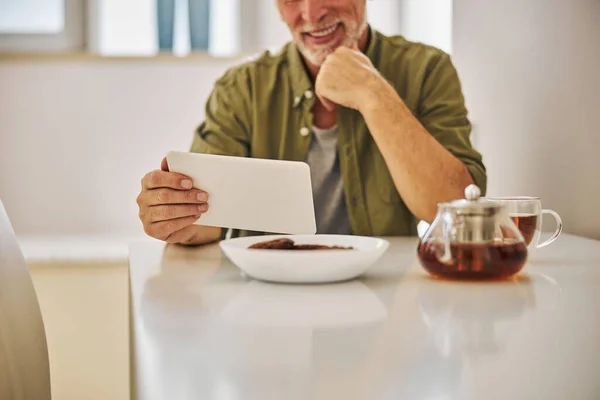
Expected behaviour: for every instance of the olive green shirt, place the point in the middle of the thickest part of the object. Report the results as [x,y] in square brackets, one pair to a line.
[262,109]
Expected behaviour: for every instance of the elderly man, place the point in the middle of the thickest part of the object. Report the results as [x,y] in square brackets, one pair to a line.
[380,120]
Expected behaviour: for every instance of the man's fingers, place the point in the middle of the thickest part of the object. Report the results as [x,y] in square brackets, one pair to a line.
[329,105]
[170,212]
[163,179]
[345,48]
[156,197]
[164,165]
[348,56]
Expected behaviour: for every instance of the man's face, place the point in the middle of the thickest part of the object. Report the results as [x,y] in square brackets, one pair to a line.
[320,26]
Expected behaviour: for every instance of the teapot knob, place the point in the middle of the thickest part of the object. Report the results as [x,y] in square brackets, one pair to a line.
[472,192]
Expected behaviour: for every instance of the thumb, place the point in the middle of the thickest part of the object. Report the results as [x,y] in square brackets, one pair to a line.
[164,165]
[328,104]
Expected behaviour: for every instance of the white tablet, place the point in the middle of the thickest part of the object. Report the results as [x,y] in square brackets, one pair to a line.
[255,194]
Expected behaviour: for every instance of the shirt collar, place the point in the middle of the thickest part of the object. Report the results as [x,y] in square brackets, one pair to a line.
[299,76]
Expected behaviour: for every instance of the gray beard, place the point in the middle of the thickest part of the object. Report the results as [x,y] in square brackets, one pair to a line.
[317,58]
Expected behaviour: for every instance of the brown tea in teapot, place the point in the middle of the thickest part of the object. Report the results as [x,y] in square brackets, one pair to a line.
[496,260]
[527,224]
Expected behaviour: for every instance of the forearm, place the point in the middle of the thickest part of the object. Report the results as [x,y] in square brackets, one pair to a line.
[203,235]
[424,172]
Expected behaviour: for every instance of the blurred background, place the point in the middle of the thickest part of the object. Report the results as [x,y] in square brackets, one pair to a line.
[94,93]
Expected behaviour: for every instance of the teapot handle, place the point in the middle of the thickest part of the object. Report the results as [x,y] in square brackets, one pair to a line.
[557,232]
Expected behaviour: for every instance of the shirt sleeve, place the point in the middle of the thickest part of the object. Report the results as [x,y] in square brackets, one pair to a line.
[226,128]
[443,113]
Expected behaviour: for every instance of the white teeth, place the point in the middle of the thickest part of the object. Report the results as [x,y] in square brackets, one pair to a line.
[325,32]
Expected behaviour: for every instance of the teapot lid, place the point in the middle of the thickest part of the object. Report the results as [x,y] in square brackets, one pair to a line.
[472,203]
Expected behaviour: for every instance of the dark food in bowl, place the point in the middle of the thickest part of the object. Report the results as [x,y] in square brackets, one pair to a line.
[288,244]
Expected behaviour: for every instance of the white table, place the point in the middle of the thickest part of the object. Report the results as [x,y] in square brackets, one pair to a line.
[200,330]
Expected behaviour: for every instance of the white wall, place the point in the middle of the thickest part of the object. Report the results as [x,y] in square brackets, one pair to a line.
[77,136]
[427,21]
[272,32]
[385,15]
[530,74]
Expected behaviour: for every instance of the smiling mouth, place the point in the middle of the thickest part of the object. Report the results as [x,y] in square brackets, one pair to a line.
[322,33]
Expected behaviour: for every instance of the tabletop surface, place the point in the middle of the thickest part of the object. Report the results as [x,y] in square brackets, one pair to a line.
[202,330]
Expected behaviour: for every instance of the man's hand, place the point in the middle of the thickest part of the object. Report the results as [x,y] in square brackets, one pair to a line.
[169,206]
[348,78]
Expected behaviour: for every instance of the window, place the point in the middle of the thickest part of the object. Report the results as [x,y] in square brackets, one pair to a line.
[32,16]
[41,25]
[221,27]
[145,27]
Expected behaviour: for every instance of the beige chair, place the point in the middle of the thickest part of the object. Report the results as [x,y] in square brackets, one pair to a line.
[24,367]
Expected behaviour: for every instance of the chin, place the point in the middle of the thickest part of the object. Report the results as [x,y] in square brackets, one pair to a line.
[317,56]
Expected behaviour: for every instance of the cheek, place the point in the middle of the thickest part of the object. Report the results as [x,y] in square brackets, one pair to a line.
[291,17]
[358,9]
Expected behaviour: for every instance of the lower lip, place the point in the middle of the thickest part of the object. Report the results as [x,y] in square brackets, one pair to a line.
[323,39]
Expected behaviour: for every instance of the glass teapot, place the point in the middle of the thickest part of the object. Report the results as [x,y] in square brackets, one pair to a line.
[472,239]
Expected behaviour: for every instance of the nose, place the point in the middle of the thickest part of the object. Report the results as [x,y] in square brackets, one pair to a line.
[313,11]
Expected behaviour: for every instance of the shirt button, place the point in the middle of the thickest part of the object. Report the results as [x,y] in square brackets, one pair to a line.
[308,94]
[304,131]
[296,100]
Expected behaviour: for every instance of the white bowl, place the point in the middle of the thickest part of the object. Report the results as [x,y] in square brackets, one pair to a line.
[305,266]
